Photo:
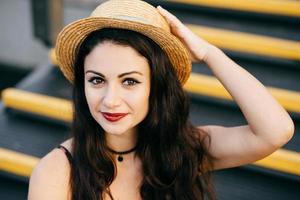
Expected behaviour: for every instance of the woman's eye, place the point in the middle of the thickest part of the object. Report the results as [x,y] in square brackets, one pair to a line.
[96,80]
[130,81]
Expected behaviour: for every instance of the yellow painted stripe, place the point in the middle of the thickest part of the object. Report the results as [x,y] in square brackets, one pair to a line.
[21,164]
[282,160]
[277,7]
[38,104]
[249,43]
[210,86]
[17,163]
[52,56]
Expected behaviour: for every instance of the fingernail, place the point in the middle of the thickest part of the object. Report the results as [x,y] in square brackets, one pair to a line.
[160,7]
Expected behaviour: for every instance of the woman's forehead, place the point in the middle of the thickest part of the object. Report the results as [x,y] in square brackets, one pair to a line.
[112,59]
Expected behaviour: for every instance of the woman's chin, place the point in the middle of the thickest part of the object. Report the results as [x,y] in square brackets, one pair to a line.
[114,131]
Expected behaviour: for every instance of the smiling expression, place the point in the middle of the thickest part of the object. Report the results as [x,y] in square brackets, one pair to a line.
[117,87]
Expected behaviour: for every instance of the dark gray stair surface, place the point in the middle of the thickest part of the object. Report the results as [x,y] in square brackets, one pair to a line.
[239,183]
[270,74]
[10,75]
[11,188]
[47,80]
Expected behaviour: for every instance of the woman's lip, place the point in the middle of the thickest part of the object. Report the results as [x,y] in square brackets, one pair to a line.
[113,117]
[114,114]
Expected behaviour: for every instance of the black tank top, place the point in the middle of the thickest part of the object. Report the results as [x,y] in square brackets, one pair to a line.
[66,151]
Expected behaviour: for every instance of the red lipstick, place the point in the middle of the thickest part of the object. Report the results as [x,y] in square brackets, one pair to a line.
[113,117]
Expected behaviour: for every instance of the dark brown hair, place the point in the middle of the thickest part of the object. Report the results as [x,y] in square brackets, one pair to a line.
[175,163]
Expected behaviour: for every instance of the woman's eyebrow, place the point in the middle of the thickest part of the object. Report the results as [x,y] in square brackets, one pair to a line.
[132,72]
[121,75]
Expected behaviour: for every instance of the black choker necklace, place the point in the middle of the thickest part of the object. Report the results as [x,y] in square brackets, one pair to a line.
[120,153]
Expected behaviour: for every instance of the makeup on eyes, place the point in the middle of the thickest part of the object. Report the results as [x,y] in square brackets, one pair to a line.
[93,78]
[133,81]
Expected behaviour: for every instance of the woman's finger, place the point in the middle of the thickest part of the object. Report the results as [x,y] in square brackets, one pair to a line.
[172,19]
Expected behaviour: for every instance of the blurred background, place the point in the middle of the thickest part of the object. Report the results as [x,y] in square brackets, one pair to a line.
[263,36]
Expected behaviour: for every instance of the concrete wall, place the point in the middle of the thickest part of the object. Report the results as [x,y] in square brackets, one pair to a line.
[17,44]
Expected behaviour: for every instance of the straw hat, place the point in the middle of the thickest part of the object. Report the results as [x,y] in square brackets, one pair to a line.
[133,15]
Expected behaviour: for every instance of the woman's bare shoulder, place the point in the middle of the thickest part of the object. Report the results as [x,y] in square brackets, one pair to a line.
[50,177]
[68,144]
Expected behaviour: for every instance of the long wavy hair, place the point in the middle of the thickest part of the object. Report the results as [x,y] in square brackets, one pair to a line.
[175,162]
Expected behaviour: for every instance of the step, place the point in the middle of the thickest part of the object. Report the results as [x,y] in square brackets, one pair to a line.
[17,163]
[248,42]
[39,104]
[210,86]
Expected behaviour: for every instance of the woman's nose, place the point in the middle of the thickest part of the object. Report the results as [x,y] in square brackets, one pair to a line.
[111,97]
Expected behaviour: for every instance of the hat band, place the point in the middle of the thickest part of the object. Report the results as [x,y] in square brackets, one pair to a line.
[131,18]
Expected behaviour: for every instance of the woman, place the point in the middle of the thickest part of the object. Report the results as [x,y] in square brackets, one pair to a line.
[131,134]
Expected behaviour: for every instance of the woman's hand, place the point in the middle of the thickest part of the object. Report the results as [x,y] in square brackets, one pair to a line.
[198,48]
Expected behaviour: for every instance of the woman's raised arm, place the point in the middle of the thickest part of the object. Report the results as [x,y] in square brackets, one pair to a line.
[269,125]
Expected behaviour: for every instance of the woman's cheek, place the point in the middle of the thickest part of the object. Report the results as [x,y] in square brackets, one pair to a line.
[92,98]
[140,100]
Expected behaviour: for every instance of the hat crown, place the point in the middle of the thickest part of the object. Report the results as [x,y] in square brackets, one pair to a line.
[141,12]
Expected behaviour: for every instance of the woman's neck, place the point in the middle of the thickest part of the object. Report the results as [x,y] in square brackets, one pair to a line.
[123,142]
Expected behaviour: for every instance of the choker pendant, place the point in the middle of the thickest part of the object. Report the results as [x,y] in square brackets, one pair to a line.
[121,153]
[120,158]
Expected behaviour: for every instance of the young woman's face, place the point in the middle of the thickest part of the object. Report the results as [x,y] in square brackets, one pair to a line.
[117,81]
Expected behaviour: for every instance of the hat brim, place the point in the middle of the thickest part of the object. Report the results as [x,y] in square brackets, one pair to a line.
[71,37]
